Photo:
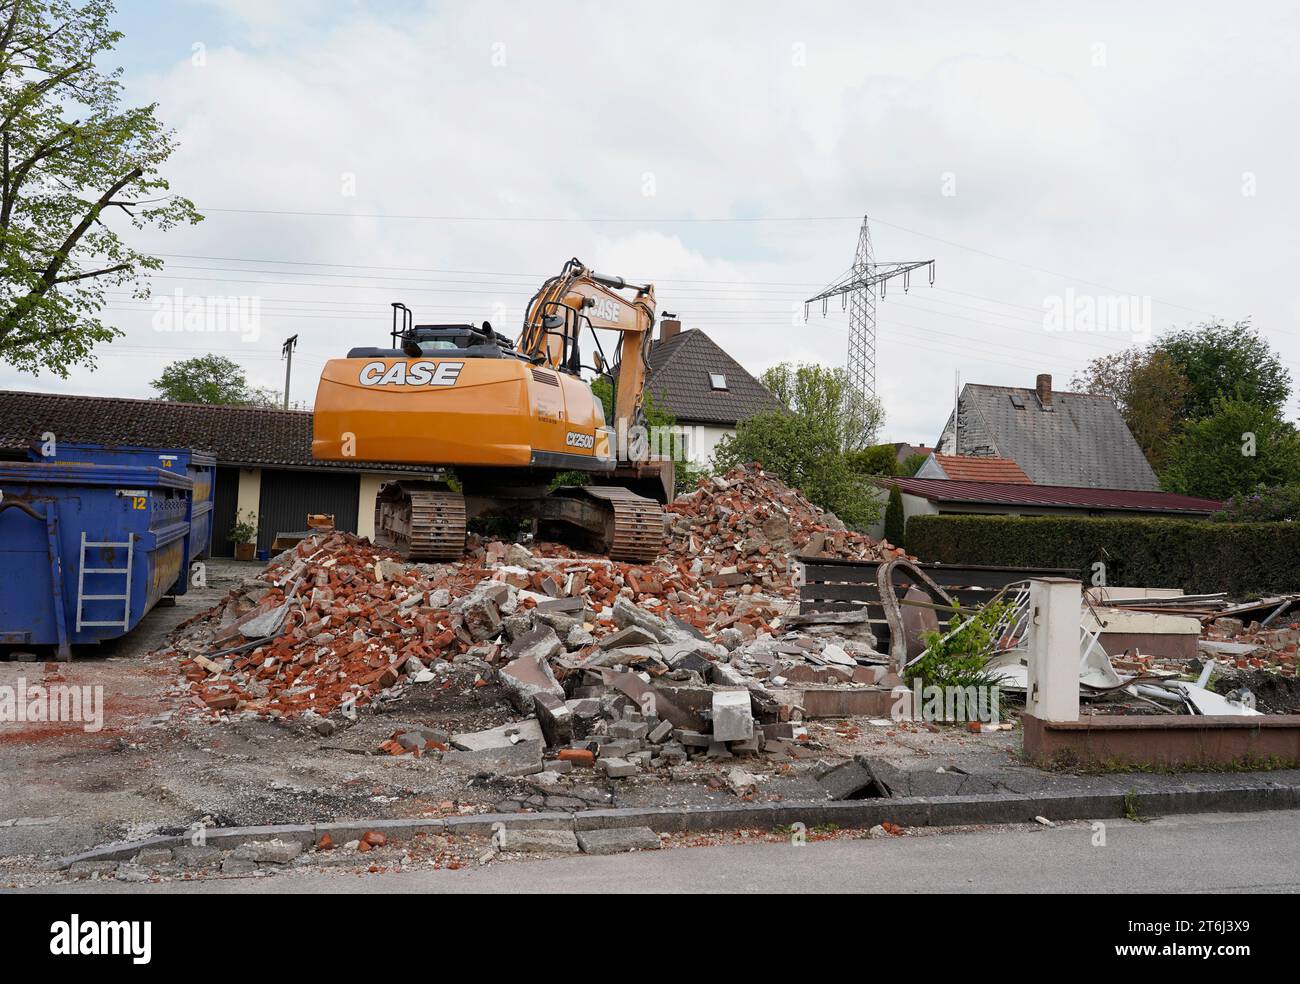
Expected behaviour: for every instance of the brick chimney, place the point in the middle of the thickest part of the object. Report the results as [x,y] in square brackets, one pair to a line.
[1044,388]
[669,326]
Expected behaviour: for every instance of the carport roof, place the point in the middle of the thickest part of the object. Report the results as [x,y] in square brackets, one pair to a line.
[235,435]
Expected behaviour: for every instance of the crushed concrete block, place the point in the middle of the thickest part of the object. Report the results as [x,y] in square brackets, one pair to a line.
[554,717]
[579,637]
[82,870]
[660,732]
[539,643]
[538,840]
[481,609]
[529,675]
[632,635]
[837,656]
[693,739]
[524,759]
[151,857]
[628,729]
[741,782]
[586,712]
[620,747]
[193,856]
[616,768]
[853,779]
[274,851]
[504,736]
[626,614]
[518,555]
[733,718]
[672,753]
[726,675]
[618,840]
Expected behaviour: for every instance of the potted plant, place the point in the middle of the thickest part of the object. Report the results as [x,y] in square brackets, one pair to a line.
[244,535]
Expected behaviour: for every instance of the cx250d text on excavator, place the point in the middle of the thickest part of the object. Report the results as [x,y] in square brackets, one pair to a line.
[505,419]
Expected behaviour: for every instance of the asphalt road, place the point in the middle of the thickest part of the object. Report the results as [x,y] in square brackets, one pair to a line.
[1232,852]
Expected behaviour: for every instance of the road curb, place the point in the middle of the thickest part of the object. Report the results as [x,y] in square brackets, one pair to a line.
[916,811]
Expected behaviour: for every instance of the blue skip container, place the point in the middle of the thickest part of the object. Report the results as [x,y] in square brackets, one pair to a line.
[201,469]
[86,550]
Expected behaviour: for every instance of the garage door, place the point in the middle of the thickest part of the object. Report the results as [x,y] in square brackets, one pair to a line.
[288,497]
[224,504]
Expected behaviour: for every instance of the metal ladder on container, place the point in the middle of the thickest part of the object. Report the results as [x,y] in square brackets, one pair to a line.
[83,570]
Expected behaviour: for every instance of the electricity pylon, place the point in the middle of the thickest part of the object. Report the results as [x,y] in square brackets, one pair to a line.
[857,293]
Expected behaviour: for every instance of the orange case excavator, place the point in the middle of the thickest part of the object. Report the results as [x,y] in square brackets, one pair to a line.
[507,419]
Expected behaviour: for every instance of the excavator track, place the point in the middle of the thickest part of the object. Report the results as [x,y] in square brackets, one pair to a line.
[426,520]
[638,523]
[421,521]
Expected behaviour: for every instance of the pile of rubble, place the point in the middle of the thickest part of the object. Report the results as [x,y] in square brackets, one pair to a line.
[1251,645]
[615,666]
[745,527]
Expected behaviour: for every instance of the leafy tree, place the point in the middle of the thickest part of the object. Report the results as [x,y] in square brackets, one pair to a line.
[879,459]
[1280,503]
[817,391]
[912,464]
[1222,360]
[895,521]
[71,158]
[1149,390]
[804,449]
[1237,448]
[211,379]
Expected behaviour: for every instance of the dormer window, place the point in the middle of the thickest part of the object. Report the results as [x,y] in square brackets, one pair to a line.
[717,381]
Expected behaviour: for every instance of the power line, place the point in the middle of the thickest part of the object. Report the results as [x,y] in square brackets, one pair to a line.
[524,285]
[472,273]
[1034,268]
[541,219]
[700,219]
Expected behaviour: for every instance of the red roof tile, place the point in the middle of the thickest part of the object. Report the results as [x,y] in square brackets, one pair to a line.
[970,468]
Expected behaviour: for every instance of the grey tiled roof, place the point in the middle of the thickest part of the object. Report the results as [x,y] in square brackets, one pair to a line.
[679,382]
[1082,442]
[235,435]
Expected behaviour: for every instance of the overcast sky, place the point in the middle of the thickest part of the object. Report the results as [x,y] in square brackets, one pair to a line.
[452,155]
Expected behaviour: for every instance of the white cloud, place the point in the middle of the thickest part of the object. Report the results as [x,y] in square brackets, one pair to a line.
[1126,174]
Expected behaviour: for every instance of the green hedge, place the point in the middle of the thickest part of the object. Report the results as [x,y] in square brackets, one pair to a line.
[1197,556]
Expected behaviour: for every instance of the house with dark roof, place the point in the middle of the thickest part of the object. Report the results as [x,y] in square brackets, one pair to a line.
[903,450]
[1075,440]
[264,460]
[707,390]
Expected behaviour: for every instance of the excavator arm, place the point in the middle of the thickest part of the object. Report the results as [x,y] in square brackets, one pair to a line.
[579,296]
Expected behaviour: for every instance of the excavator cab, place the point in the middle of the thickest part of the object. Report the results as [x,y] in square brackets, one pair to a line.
[458,341]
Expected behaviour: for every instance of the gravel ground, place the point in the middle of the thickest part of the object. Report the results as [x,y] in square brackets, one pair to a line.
[157,768]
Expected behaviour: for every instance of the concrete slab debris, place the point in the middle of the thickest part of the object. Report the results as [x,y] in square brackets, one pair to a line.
[618,840]
[538,840]
[505,736]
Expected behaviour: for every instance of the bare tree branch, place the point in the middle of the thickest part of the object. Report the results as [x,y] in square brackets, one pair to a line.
[93,273]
